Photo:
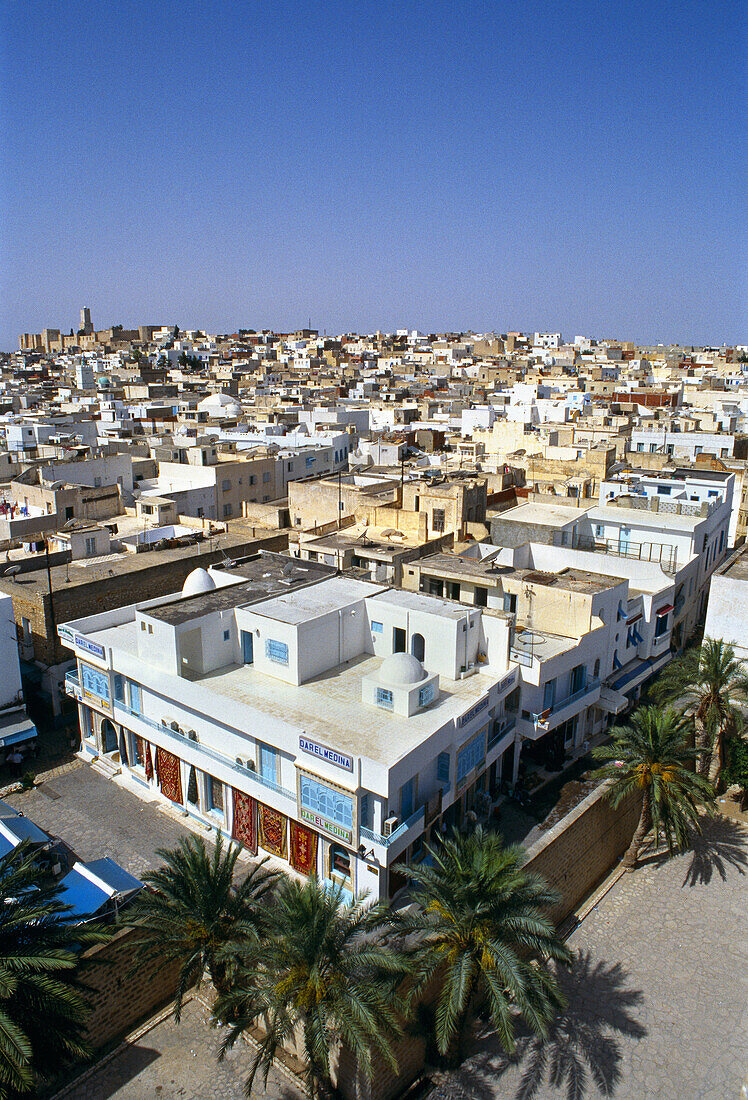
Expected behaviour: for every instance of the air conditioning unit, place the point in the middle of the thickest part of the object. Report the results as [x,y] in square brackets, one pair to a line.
[390,824]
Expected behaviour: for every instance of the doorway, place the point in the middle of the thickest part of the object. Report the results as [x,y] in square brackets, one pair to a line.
[418,647]
[108,736]
[248,651]
[399,640]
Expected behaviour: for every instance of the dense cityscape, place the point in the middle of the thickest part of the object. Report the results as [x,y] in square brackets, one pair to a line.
[332,601]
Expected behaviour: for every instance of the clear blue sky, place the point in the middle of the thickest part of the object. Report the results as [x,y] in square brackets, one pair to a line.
[574,166]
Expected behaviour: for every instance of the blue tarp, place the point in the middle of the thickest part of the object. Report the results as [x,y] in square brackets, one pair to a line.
[16,728]
[120,880]
[83,896]
[21,828]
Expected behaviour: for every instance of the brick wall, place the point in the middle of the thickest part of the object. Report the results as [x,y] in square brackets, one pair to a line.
[577,853]
[120,992]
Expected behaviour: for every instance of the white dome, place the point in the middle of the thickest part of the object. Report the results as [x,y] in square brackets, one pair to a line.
[401,668]
[199,580]
[220,402]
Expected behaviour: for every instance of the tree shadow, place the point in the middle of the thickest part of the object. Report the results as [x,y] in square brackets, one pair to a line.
[582,1043]
[722,843]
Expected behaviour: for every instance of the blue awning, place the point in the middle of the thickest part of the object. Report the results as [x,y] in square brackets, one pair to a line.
[84,896]
[15,728]
[115,877]
[16,829]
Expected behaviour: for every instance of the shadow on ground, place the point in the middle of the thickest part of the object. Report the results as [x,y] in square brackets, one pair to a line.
[582,1045]
[721,845]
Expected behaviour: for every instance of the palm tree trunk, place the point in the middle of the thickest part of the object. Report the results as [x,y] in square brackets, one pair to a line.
[645,824]
[715,764]
[702,745]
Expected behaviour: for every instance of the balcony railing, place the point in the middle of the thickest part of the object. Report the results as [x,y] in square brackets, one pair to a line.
[562,704]
[501,729]
[402,828]
[219,757]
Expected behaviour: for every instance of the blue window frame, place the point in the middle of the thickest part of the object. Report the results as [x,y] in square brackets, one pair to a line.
[226,635]
[135,697]
[364,808]
[471,755]
[384,698]
[276,651]
[327,801]
[119,688]
[95,682]
[425,695]
[376,628]
[268,763]
[442,768]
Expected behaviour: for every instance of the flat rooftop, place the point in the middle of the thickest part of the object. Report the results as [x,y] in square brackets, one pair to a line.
[263,577]
[736,567]
[329,708]
[544,515]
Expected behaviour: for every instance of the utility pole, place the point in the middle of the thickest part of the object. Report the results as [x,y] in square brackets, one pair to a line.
[340,495]
[51,597]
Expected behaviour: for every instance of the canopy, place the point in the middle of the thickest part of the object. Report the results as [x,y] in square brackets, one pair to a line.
[16,829]
[86,898]
[15,728]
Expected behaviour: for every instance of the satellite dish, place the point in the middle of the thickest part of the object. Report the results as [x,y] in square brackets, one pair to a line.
[12,571]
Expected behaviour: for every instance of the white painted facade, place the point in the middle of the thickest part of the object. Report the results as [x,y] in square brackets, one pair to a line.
[268,695]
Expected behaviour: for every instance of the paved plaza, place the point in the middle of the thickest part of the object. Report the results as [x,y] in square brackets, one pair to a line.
[178,1062]
[96,817]
[658,994]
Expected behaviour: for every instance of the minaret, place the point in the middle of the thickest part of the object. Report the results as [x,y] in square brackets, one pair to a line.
[86,325]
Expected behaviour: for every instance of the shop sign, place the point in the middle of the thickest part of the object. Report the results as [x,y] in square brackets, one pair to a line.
[340,832]
[330,756]
[88,646]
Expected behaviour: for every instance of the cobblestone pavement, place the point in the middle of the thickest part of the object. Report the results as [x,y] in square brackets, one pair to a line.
[96,817]
[178,1062]
[658,993]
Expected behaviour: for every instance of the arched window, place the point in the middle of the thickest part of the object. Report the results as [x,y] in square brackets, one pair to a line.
[596,673]
[418,646]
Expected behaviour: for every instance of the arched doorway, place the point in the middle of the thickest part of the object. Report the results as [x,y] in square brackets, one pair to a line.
[418,647]
[108,736]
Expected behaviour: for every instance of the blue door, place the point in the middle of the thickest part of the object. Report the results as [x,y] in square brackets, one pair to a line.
[247,647]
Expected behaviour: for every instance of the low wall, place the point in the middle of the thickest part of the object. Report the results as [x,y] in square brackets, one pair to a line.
[578,852]
[120,993]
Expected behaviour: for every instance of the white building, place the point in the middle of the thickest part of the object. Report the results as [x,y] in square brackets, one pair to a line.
[727,610]
[16,728]
[331,723]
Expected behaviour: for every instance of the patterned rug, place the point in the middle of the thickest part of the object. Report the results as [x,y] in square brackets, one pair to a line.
[245,821]
[273,831]
[303,849]
[169,778]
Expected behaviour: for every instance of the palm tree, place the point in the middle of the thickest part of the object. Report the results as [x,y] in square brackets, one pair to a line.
[649,757]
[480,926]
[42,1007]
[324,972]
[710,678]
[194,909]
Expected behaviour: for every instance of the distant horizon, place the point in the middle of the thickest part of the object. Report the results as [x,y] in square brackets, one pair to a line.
[575,166]
[328,332]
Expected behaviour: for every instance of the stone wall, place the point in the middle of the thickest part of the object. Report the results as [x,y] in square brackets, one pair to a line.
[577,853]
[121,992]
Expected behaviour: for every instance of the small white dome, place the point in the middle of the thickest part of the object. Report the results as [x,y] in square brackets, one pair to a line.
[199,580]
[401,668]
[219,402]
